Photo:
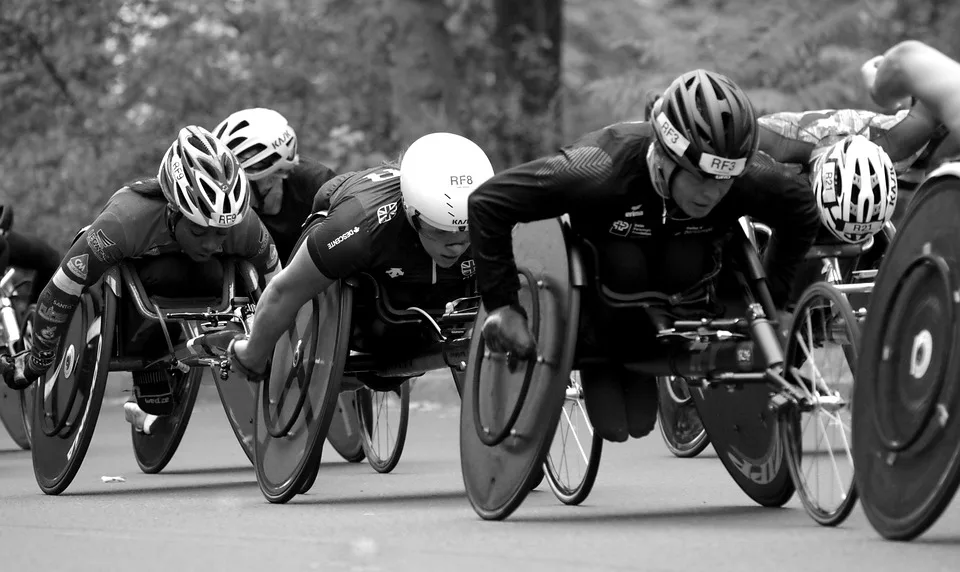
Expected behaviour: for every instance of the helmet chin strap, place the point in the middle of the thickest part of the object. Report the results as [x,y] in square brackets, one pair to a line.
[661,177]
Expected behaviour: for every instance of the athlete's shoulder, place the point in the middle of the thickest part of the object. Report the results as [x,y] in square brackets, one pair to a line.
[130,221]
[614,151]
[308,176]
[375,190]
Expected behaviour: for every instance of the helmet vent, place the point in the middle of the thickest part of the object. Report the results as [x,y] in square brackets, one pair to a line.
[239,126]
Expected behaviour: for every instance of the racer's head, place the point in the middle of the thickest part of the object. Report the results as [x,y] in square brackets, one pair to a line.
[707,133]
[206,191]
[437,174]
[265,144]
[855,184]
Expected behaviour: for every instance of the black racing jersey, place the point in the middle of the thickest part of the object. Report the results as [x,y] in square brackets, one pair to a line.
[131,225]
[299,190]
[366,231]
[603,182]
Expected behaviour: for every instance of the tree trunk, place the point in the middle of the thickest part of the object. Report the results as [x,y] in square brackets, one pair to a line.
[423,75]
[528,36]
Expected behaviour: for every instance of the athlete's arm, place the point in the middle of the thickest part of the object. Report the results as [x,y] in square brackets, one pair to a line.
[576,178]
[100,247]
[788,206]
[336,248]
[905,133]
[912,68]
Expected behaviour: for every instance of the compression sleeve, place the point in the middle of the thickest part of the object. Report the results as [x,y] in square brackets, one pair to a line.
[787,205]
[579,177]
[100,247]
[256,246]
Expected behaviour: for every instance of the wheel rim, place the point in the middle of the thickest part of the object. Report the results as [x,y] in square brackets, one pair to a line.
[822,356]
[571,453]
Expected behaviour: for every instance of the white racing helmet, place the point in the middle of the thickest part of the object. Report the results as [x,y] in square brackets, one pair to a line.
[855,185]
[262,140]
[438,173]
[203,179]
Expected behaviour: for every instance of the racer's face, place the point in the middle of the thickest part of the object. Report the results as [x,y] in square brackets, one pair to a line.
[198,242]
[443,246]
[695,194]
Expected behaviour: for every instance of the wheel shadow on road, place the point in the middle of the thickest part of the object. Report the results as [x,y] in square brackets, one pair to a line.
[12,452]
[441,497]
[209,470]
[752,516]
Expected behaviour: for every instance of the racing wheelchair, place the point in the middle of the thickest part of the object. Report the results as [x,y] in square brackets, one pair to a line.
[748,401]
[327,360]
[906,438]
[15,332]
[64,412]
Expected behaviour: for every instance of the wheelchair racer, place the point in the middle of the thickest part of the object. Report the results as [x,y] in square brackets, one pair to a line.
[26,252]
[173,227]
[282,184]
[656,199]
[914,70]
[406,226]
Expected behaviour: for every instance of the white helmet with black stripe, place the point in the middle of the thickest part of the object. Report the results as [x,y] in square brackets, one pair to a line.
[203,179]
[437,174]
[855,185]
[262,140]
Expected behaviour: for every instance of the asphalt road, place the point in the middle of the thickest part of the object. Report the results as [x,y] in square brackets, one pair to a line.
[648,512]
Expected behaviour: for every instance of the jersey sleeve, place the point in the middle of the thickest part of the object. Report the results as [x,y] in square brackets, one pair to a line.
[769,194]
[341,244]
[321,201]
[252,241]
[581,176]
[102,245]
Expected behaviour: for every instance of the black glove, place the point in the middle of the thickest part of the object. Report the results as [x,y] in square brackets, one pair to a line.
[505,331]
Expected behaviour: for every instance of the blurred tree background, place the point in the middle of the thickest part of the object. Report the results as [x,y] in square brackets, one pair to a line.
[93,91]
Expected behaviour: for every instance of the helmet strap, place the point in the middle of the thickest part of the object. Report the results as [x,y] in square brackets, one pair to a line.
[173,216]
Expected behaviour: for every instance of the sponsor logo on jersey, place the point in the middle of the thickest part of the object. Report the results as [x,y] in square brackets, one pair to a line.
[343,237]
[99,243]
[697,229]
[78,265]
[468,268]
[620,228]
[49,314]
[634,211]
[640,230]
[395,272]
[386,213]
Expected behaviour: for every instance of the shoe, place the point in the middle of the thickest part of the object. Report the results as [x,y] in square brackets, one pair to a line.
[135,416]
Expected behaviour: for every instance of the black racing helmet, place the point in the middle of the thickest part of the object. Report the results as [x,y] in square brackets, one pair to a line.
[706,124]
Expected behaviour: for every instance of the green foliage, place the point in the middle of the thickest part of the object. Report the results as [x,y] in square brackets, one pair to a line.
[95,90]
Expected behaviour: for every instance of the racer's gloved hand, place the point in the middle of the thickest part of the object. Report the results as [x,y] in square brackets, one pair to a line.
[505,330]
[18,372]
[234,350]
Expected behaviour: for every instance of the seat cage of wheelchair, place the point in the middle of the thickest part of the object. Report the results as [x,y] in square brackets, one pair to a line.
[449,329]
[211,311]
[724,350]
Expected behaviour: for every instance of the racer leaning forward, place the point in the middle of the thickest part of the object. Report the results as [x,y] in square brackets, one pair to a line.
[283,185]
[406,226]
[656,199]
[173,227]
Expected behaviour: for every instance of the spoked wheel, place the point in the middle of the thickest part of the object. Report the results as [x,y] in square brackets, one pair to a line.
[344,433]
[383,424]
[28,396]
[11,414]
[72,392]
[678,419]
[574,460]
[155,450]
[821,357]
[906,438]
